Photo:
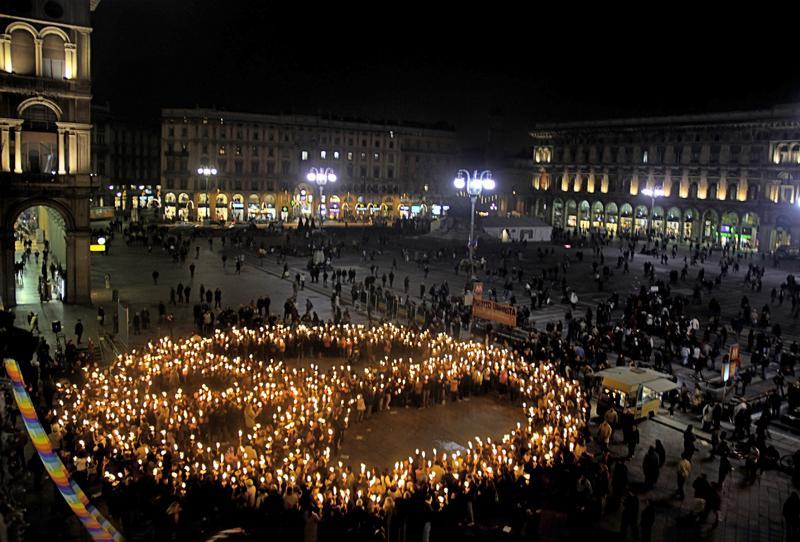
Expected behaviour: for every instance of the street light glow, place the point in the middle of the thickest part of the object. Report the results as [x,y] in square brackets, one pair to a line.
[653,193]
[459,183]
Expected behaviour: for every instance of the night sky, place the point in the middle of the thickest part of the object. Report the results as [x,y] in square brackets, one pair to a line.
[399,61]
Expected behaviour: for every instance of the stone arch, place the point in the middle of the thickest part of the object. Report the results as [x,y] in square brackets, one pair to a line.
[558,213]
[710,226]
[70,247]
[23,48]
[597,214]
[18,207]
[38,100]
[571,213]
[53,30]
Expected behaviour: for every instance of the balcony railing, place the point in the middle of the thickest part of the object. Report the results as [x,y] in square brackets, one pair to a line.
[30,84]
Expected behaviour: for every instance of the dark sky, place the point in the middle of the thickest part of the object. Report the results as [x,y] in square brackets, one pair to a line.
[400,60]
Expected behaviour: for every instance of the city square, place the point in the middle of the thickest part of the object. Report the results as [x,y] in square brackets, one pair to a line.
[280,315]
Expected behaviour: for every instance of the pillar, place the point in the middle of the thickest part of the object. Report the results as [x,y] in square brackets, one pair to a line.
[5,52]
[79,286]
[62,166]
[8,294]
[73,152]
[70,60]
[17,149]
[5,144]
[764,233]
[37,43]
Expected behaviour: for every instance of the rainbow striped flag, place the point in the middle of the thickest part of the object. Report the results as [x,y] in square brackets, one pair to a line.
[100,529]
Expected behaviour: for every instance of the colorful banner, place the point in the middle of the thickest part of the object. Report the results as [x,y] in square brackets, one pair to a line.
[98,526]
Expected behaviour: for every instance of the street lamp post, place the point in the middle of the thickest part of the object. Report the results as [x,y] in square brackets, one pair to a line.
[321,176]
[207,172]
[475,184]
[653,193]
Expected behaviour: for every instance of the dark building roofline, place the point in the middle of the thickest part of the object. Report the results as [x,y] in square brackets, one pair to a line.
[779,112]
[440,126]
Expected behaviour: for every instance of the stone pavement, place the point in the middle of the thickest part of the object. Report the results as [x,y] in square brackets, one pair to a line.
[749,513]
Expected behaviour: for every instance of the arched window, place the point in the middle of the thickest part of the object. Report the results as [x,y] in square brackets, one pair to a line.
[693,190]
[23,52]
[712,191]
[39,118]
[733,192]
[53,57]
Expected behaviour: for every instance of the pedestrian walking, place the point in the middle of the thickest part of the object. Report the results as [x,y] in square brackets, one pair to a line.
[683,470]
[155,278]
[191,270]
[79,330]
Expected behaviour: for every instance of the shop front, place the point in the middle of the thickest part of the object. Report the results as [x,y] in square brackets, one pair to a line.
[674,223]
[611,218]
[203,207]
[253,208]
[303,202]
[626,218]
[170,208]
[221,208]
[237,208]
[185,206]
[334,208]
[640,220]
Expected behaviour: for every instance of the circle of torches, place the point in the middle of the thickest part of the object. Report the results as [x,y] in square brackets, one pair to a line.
[160,401]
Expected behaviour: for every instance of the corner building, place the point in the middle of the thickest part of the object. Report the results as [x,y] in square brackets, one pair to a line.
[383,170]
[727,178]
[45,133]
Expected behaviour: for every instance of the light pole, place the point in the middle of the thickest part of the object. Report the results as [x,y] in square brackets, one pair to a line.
[206,172]
[653,193]
[321,176]
[475,184]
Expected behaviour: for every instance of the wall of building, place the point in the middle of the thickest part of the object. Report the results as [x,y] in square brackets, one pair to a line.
[265,158]
[718,178]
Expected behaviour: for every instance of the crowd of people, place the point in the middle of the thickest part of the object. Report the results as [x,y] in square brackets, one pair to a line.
[216,422]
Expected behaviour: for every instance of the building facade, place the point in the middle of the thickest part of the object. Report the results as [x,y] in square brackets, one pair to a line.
[126,159]
[45,130]
[262,162]
[717,178]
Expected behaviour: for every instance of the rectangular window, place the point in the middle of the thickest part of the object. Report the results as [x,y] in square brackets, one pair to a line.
[376,171]
[362,171]
[376,156]
[171,131]
[350,170]
[254,166]
[222,150]
[238,150]
[363,156]
[205,148]
[390,172]
[184,132]
[350,156]
[335,155]
[285,167]
[323,154]
[303,155]
[270,168]
[271,152]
